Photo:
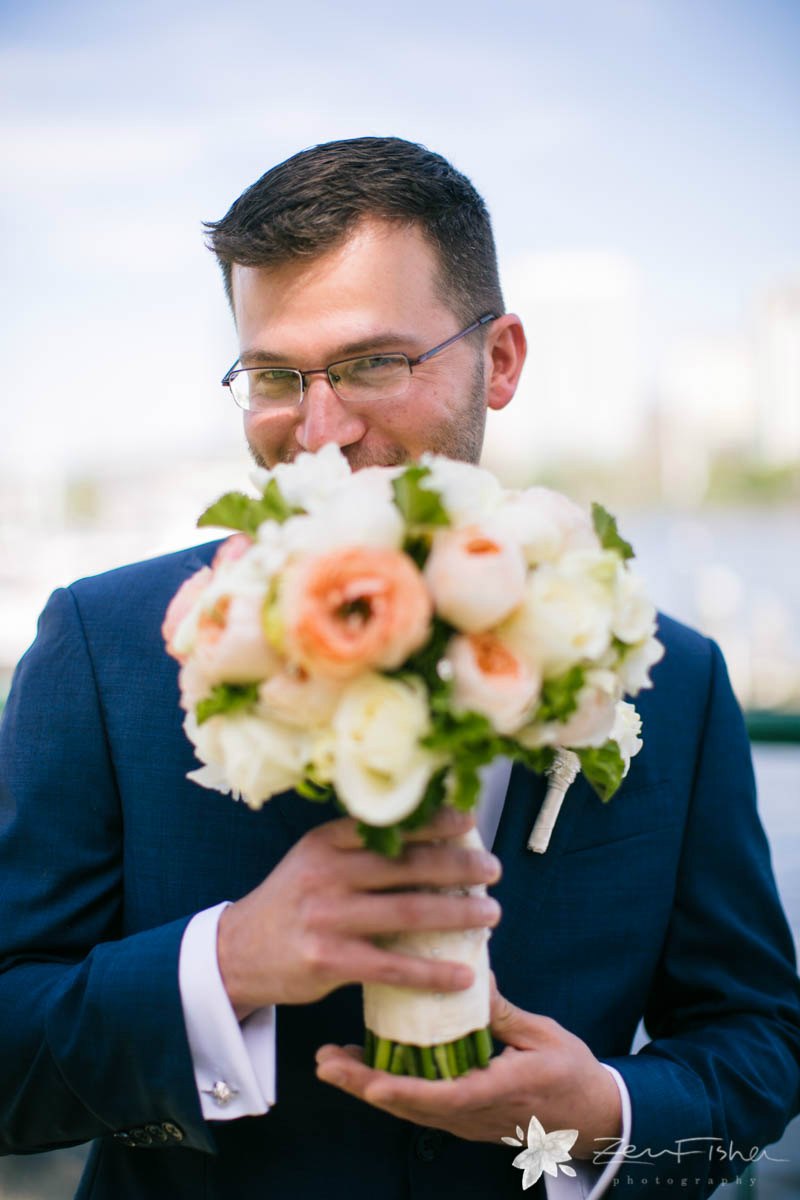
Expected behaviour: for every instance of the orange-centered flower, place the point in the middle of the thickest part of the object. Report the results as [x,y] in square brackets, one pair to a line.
[354,608]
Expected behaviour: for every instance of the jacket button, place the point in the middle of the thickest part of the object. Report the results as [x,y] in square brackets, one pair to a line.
[173,1131]
[428,1145]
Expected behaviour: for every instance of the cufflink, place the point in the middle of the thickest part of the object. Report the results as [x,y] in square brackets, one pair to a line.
[221,1092]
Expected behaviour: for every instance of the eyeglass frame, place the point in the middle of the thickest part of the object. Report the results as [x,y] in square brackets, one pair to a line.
[412,362]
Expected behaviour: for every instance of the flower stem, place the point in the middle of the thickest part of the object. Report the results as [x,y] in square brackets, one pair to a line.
[442,1062]
[428,1065]
[383,1054]
[482,1040]
[397,1063]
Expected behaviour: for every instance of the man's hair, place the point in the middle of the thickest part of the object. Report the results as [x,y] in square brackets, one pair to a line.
[312,201]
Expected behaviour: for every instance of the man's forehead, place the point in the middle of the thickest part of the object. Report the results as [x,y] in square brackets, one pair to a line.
[381,270]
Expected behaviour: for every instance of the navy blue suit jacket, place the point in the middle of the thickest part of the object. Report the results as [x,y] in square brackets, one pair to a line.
[661,903]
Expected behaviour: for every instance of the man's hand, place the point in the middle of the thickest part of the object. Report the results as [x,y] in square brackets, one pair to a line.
[544,1071]
[307,928]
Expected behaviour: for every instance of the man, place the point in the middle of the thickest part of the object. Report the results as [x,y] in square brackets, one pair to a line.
[138,1009]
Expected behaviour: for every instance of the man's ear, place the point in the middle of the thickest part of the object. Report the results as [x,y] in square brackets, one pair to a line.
[504,351]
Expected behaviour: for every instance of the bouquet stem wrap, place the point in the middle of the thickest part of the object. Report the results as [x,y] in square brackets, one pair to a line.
[408,1016]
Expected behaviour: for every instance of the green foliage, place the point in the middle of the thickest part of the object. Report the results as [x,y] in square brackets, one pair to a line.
[235,510]
[226,698]
[559,698]
[419,505]
[320,793]
[603,768]
[605,526]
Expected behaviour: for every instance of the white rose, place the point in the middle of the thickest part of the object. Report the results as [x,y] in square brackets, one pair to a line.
[546,525]
[467,492]
[566,614]
[489,679]
[634,666]
[381,770]
[625,732]
[634,612]
[258,758]
[476,578]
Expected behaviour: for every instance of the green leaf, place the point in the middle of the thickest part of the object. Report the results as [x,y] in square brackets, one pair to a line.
[418,547]
[226,698]
[605,526]
[537,758]
[235,510]
[432,800]
[603,768]
[383,839]
[559,698]
[466,785]
[419,505]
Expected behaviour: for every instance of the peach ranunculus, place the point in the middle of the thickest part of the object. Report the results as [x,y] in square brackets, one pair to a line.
[353,609]
[488,678]
[476,577]
[231,549]
[230,644]
[181,605]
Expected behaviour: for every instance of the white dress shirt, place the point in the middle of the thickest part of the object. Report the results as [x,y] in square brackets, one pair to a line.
[234,1063]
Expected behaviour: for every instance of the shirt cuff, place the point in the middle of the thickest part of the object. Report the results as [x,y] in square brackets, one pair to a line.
[591,1181]
[234,1065]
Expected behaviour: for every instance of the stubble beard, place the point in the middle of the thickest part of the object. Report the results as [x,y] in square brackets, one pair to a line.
[461,438]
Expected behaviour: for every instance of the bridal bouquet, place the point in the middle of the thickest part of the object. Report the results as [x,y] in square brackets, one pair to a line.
[376,637]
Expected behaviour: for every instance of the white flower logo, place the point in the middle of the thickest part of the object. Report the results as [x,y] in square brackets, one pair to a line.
[546,1151]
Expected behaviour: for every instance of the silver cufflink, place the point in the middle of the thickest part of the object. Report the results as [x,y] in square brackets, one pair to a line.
[220,1092]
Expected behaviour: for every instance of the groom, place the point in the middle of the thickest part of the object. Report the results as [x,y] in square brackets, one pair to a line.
[176,972]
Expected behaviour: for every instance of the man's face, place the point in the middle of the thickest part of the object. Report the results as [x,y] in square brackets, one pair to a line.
[374,292]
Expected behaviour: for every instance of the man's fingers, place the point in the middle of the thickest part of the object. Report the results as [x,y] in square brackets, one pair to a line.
[370,914]
[423,865]
[448,822]
[362,963]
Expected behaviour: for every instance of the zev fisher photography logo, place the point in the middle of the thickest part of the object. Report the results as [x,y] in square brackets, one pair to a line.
[545,1151]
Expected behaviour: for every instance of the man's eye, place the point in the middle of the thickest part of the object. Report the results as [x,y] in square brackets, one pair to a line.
[272,381]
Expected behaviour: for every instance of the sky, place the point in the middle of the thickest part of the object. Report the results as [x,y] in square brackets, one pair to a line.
[665,132]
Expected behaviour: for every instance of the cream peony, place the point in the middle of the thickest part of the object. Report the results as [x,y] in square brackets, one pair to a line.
[361,513]
[567,611]
[381,771]
[546,525]
[308,480]
[467,492]
[298,698]
[634,613]
[625,732]
[257,758]
[475,577]
[633,668]
[489,679]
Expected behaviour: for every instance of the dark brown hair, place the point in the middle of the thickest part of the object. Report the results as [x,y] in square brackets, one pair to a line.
[311,202]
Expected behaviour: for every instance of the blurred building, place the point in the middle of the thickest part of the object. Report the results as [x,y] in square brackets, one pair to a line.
[777,363]
[581,389]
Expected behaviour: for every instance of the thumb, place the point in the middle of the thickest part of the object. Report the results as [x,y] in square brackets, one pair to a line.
[512,1025]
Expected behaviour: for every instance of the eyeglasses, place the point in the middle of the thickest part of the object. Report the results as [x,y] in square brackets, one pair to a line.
[356,380]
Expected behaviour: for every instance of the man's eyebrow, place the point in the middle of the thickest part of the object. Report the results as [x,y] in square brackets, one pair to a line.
[382,340]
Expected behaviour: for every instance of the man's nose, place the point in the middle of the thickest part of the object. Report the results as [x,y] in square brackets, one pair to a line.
[325,418]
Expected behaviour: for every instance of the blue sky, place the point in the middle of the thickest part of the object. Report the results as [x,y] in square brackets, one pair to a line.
[665,130]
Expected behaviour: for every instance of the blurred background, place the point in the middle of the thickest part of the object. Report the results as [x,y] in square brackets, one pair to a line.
[640,159]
